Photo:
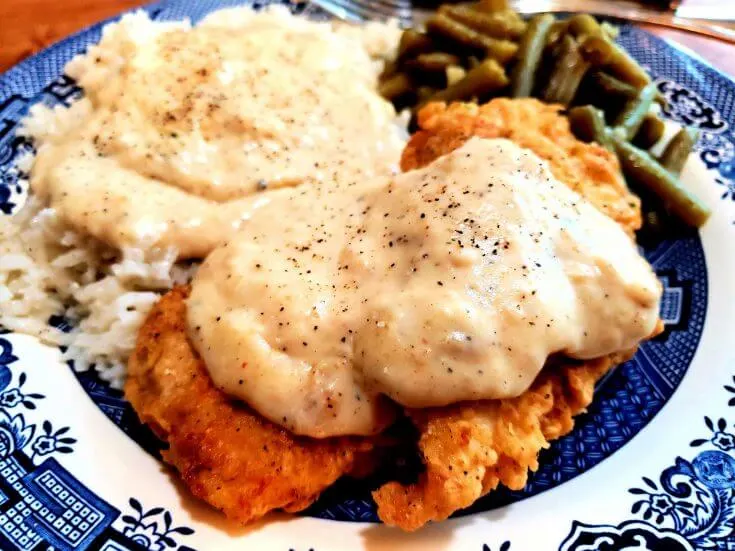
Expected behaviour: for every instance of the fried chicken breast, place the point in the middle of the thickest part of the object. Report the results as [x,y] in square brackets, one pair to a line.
[231,457]
[227,455]
[470,448]
[587,168]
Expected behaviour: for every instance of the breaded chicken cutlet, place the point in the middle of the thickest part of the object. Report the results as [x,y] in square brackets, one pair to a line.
[231,457]
[227,454]
[244,465]
[587,168]
[470,448]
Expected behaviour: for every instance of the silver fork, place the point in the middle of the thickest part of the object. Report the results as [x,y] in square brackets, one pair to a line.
[364,10]
[406,14]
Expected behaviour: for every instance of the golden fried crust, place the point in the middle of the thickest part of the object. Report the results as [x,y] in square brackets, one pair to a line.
[227,454]
[589,169]
[470,448]
[237,461]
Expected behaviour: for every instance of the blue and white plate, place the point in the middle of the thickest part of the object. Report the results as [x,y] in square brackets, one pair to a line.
[650,466]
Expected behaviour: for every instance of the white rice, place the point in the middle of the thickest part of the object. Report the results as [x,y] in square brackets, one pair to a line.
[47,269]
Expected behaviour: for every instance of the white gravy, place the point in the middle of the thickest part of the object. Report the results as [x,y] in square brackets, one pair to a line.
[453,282]
[183,130]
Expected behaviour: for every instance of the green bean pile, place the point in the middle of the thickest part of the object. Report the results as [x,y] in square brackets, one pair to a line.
[477,51]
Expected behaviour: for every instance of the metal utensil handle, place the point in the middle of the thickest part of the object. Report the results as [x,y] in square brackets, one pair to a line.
[629,11]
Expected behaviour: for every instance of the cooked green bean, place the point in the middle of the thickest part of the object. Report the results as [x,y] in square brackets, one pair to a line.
[492,6]
[675,156]
[395,87]
[497,25]
[530,51]
[588,124]
[425,92]
[455,73]
[643,169]
[634,111]
[601,52]
[558,29]
[413,43]
[443,26]
[597,50]
[583,24]
[466,48]
[502,50]
[610,30]
[514,15]
[433,62]
[390,68]
[650,132]
[489,76]
[613,86]
[567,73]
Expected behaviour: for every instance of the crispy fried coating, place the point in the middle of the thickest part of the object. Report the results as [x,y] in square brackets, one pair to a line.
[227,454]
[470,448]
[232,458]
[589,169]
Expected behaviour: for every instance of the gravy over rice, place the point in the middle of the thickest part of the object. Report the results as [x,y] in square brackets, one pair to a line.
[176,141]
[184,132]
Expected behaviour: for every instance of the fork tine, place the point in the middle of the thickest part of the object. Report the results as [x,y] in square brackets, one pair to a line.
[360,10]
[391,9]
[394,5]
[364,11]
[334,7]
[397,7]
[346,9]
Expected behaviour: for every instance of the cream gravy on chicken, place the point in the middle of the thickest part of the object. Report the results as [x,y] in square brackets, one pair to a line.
[448,283]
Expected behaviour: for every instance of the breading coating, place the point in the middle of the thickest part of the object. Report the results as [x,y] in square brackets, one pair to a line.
[470,448]
[227,455]
[234,459]
[587,168]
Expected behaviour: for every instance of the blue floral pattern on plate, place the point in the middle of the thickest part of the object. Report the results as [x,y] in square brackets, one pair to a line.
[692,506]
[43,503]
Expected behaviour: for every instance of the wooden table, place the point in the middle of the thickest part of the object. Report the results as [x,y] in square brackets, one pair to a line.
[29,25]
